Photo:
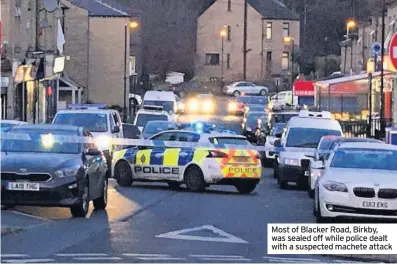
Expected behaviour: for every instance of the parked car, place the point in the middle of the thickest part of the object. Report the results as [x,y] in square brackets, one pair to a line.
[245,88]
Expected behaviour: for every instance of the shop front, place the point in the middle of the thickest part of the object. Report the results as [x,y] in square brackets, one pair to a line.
[351,97]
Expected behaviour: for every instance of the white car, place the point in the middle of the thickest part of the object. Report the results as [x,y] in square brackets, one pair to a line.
[324,150]
[152,113]
[275,134]
[359,181]
[245,88]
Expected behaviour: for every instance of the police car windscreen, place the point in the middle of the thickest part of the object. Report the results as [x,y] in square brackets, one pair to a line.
[167,105]
[143,119]
[230,141]
[91,121]
[40,142]
[300,137]
[370,159]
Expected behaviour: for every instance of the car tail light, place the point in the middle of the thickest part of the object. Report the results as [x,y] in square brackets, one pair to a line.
[216,154]
[257,156]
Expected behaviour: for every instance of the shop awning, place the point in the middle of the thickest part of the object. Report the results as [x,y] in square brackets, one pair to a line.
[351,78]
[67,84]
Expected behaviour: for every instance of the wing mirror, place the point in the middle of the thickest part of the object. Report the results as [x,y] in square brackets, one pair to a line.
[92,152]
[116,129]
[277,143]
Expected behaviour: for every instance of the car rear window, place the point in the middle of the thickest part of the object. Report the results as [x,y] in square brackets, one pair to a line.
[143,119]
[229,141]
[93,122]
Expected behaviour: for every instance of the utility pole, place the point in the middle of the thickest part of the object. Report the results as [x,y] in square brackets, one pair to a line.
[382,97]
[326,57]
[245,40]
[125,74]
[37,25]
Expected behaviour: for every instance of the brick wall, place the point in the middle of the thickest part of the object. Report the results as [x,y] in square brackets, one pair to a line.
[106,60]
[209,41]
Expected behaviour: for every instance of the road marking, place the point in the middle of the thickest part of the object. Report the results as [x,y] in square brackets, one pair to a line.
[226,259]
[159,258]
[32,216]
[81,255]
[14,255]
[216,256]
[224,237]
[97,258]
[28,260]
[145,255]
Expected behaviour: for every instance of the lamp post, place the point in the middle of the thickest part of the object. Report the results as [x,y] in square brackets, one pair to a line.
[290,41]
[326,57]
[350,25]
[382,58]
[129,25]
[223,34]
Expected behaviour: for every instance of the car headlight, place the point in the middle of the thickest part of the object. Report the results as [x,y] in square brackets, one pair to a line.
[335,186]
[193,105]
[208,106]
[316,173]
[232,107]
[103,142]
[291,162]
[67,172]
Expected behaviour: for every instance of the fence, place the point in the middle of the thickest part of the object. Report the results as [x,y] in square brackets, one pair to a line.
[363,128]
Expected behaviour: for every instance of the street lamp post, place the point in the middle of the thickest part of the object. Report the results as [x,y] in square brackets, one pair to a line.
[326,57]
[382,95]
[223,34]
[290,41]
[130,25]
[350,25]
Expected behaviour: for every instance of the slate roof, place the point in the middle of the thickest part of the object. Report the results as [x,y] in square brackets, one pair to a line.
[270,9]
[273,9]
[101,8]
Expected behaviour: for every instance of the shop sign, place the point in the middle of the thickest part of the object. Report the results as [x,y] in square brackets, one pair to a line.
[59,65]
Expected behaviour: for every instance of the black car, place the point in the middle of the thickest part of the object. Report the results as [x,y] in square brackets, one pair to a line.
[49,165]
[254,124]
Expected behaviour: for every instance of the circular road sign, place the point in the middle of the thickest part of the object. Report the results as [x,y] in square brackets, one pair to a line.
[376,48]
[393,51]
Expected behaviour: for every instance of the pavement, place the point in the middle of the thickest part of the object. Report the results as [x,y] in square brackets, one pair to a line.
[152,223]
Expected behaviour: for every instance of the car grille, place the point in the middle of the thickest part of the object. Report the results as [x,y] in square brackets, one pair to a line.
[305,163]
[33,177]
[364,192]
[387,193]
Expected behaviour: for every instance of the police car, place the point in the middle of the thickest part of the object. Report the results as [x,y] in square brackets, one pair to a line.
[103,123]
[152,113]
[196,166]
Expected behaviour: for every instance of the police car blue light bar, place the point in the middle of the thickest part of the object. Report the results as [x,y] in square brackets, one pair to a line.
[87,106]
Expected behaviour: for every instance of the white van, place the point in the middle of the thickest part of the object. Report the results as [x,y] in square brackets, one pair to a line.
[151,113]
[166,99]
[299,142]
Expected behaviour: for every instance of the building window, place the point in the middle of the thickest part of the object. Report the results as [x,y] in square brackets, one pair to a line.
[229,32]
[269,57]
[211,59]
[228,61]
[229,5]
[285,61]
[286,32]
[269,29]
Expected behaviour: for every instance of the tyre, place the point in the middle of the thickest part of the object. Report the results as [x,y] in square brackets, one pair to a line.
[236,93]
[101,202]
[174,185]
[81,210]
[262,92]
[245,188]
[123,174]
[194,179]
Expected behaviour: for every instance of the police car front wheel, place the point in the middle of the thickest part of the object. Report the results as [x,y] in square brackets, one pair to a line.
[245,188]
[194,179]
[123,174]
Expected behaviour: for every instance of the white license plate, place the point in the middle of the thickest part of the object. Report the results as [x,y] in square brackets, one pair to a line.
[23,186]
[382,205]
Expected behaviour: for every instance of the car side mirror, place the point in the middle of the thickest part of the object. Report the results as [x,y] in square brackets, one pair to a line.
[92,152]
[277,143]
[116,129]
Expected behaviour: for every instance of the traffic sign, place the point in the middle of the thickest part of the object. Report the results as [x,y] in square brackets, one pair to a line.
[376,48]
[393,51]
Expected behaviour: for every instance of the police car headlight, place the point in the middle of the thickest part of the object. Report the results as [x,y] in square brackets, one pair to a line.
[103,142]
[67,172]
[335,186]
[291,162]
